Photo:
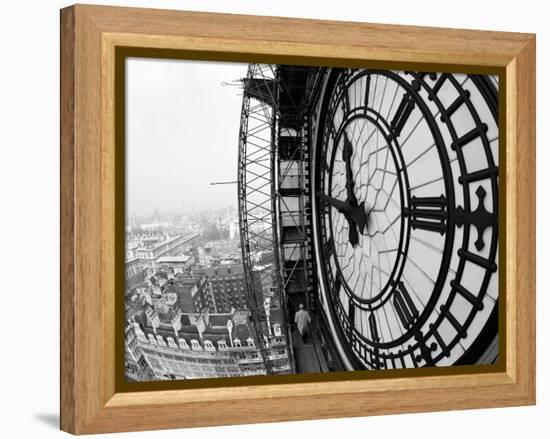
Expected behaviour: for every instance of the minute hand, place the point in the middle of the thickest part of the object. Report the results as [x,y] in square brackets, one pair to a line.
[347,152]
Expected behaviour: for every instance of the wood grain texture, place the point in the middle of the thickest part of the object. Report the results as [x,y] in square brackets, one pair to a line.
[67,253]
[275,35]
[522,226]
[90,35]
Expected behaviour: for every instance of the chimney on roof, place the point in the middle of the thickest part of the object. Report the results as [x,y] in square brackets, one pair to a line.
[201,325]
[267,309]
[139,333]
[230,331]
[176,321]
[152,318]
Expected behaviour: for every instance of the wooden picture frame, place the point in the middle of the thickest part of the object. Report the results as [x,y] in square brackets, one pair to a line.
[91,401]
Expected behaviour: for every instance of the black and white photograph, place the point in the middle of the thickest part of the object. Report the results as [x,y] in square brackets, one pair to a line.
[275,219]
[286,219]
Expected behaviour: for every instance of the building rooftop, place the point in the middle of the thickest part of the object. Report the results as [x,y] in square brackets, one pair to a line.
[219,319]
[173,259]
[215,329]
[224,270]
[261,267]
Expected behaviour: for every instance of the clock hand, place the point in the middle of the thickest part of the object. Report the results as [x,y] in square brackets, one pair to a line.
[360,214]
[347,152]
[341,206]
[356,215]
[353,236]
[345,209]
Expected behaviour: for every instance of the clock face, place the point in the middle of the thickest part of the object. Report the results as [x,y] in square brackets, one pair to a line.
[405,206]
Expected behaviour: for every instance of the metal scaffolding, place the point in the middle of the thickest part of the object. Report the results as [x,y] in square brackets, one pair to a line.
[274,196]
[257,198]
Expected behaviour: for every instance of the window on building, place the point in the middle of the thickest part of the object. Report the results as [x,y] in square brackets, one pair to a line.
[195,345]
[250,342]
[208,345]
[237,343]
[222,344]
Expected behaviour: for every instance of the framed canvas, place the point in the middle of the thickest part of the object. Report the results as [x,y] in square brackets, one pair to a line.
[312,218]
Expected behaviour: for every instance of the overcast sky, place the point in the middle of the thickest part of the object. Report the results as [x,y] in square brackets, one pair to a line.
[182,130]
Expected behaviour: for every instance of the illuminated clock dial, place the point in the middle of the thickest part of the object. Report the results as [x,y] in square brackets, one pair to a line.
[405,201]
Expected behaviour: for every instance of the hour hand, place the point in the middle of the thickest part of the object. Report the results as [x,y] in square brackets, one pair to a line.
[356,215]
[344,208]
[353,236]
[341,206]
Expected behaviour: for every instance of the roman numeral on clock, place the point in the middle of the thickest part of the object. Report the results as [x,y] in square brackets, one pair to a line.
[428,213]
[404,306]
[402,115]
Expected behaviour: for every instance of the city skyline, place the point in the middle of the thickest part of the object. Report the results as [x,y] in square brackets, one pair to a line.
[175,211]
[181,120]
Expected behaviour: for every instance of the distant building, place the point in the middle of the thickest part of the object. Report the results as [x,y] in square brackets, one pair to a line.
[136,366]
[222,247]
[193,294]
[262,279]
[197,271]
[226,289]
[230,259]
[177,263]
[131,249]
[135,274]
[151,246]
[227,283]
[201,256]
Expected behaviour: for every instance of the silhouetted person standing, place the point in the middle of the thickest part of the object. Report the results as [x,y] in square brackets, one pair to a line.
[302,320]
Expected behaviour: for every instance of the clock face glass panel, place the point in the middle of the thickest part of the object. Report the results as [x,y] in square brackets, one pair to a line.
[406,206]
